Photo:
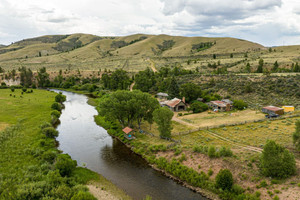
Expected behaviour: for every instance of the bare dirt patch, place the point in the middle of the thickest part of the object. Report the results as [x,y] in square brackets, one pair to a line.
[3,126]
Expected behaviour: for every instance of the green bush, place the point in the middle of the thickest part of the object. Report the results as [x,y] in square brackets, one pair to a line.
[225,152]
[56,113]
[198,107]
[65,164]
[59,98]
[239,104]
[224,179]
[81,195]
[56,106]
[212,152]
[276,161]
[45,125]
[50,132]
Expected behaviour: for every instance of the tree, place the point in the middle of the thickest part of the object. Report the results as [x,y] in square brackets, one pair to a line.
[145,80]
[224,179]
[43,77]
[50,132]
[248,68]
[296,135]
[163,116]
[59,98]
[260,66]
[239,104]
[125,106]
[1,70]
[276,161]
[173,90]
[190,91]
[275,67]
[56,106]
[198,107]
[65,164]
[214,56]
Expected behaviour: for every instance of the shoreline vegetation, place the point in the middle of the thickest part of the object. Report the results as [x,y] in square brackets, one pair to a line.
[31,165]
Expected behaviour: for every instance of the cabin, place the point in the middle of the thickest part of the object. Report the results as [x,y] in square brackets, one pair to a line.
[128,133]
[221,106]
[175,104]
[288,108]
[162,96]
[273,110]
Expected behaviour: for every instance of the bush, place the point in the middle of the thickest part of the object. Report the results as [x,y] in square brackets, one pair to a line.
[59,98]
[24,89]
[225,152]
[224,179]
[50,132]
[45,125]
[56,106]
[239,104]
[81,195]
[212,152]
[65,164]
[12,89]
[56,113]
[198,107]
[276,161]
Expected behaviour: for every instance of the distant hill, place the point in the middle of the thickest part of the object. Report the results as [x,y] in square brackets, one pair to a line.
[133,52]
[1,46]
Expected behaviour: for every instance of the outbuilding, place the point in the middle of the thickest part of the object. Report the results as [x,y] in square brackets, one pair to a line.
[175,104]
[273,110]
[128,133]
[288,108]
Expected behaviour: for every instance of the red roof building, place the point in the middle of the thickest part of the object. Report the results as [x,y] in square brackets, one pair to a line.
[127,130]
[273,110]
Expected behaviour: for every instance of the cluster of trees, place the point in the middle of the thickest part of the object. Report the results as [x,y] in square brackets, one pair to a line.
[26,77]
[127,107]
[275,68]
[202,46]
[122,43]
[118,80]
[276,161]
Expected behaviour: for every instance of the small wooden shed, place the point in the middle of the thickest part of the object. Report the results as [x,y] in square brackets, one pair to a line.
[128,133]
[273,110]
[288,108]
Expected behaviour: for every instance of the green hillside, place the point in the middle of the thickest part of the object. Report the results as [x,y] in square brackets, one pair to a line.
[136,52]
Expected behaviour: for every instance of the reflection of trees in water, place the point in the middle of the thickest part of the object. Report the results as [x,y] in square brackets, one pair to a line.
[119,153]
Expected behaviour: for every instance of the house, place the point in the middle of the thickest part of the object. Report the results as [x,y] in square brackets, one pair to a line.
[273,110]
[128,133]
[175,104]
[162,96]
[221,106]
[288,108]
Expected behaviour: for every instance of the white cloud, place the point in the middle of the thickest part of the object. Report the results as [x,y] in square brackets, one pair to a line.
[269,22]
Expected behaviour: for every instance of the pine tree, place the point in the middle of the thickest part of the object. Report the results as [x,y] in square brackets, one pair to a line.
[173,90]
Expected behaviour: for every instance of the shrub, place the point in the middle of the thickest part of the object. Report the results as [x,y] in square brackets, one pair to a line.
[56,113]
[81,195]
[276,161]
[212,152]
[239,104]
[224,179]
[198,107]
[56,106]
[12,89]
[225,152]
[237,189]
[65,164]
[50,132]
[60,98]
[45,125]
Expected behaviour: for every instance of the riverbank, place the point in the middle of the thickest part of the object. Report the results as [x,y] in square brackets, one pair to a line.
[29,156]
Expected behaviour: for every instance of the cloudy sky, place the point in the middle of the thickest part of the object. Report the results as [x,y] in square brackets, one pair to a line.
[268,22]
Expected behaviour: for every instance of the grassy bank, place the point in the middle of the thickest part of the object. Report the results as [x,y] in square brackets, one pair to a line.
[29,159]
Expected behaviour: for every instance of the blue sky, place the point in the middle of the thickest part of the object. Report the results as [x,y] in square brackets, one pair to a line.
[268,22]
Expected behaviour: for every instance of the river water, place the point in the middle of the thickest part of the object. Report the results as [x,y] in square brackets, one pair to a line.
[91,146]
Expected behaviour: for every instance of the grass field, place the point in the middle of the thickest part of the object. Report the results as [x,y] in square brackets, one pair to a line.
[207,119]
[26,169]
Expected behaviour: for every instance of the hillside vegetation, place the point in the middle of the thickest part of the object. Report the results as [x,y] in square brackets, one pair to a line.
[131,52]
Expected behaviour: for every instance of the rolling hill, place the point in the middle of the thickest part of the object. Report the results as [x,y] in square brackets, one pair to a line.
[133,52]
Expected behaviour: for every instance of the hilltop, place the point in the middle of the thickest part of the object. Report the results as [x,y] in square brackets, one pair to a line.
[136,52]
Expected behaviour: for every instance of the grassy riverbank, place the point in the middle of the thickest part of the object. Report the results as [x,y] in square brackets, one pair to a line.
[27,157]
[195,165]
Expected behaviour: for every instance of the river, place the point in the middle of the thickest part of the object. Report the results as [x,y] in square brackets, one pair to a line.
[91,146]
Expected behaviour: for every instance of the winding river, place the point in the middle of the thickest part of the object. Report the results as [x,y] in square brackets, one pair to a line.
[91,146]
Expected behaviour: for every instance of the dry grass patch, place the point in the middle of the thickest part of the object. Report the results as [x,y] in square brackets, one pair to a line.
[3,126]
[207,119]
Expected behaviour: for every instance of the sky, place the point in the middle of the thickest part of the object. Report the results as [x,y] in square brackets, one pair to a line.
[268,22]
